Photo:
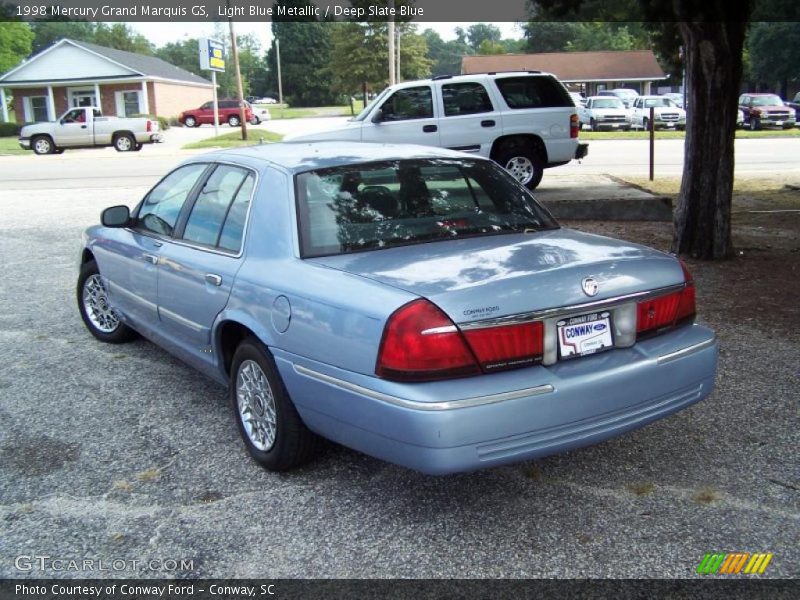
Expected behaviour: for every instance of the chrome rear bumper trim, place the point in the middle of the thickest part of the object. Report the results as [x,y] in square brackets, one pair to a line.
[416,404]
[665,358]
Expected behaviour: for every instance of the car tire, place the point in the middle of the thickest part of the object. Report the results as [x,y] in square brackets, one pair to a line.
[190,122]
[124,142]
[592,124]
[42,144]
[255,121]
[272,431]
[646,124]
[523,163]
[234,121]
[58,150]
[99,318]
[137,147]
[755,125]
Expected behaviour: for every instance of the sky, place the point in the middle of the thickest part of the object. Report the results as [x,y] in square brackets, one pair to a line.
[162,33]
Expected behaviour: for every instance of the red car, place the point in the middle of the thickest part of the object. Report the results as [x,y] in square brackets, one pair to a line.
[762,110]
[228,113]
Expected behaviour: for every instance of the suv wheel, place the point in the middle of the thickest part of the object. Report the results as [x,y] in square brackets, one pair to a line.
[524,165]
[234,121]
[190,122]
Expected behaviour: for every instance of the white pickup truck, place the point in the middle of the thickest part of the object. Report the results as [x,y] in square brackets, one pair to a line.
[87,128]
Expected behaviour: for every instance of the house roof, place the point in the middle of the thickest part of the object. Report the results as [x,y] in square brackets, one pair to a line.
[145,66]
[573,66]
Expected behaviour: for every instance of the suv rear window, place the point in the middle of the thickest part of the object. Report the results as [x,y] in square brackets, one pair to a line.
[383,204]
[533,92]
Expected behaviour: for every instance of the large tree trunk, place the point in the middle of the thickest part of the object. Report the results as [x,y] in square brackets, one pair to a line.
[713,54]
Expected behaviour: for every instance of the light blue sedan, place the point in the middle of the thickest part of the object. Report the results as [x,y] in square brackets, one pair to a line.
[412,303]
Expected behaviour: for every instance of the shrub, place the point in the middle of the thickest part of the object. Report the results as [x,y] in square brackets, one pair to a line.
[9,129]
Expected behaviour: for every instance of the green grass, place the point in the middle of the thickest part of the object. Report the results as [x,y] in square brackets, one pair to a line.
[234,140]
[9,145]
[281,111]
[679,135]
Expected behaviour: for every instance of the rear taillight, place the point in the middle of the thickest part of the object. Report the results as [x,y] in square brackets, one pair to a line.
[421,343]
[573,126]
[508,346]
[667,310]
[149,126]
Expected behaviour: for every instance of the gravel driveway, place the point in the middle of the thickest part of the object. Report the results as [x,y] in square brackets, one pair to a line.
[121,452]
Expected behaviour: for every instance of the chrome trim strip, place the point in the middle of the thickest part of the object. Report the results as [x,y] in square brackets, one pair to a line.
[566,310]
[665,358]
[179,319]
[116,288]
[443,329]
[416,404]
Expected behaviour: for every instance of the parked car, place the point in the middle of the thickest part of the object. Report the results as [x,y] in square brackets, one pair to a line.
[676,98]
[259,114]
[795,104]
[740,118]
[413,303]
[765,110]
[228,110]
[87,128]
[524,121]
[264,100]
[604,112]
[665,114]
[578,98]
[627,96]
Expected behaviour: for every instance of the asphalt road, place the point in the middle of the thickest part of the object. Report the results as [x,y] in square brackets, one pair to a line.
[121,452]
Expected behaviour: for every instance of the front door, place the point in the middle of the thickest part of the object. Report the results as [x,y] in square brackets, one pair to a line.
[73,129]
[407,117]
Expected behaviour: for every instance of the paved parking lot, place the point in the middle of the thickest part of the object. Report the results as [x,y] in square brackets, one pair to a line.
[121,452]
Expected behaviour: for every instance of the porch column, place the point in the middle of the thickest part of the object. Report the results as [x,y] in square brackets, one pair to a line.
[97,97]
[3,104]
[51,104]
[647,88]
[144,101]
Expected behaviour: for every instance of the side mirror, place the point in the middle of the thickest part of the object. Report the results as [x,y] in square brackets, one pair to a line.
[116,216]
[378,116]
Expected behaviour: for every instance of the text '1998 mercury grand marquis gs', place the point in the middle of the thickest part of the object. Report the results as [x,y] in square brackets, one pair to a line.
[413,303]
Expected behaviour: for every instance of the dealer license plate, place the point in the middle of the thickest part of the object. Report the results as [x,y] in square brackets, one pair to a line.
[585,334]
[778,123]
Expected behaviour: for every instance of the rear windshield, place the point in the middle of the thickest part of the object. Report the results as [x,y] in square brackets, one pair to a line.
[533,92]
[395,203]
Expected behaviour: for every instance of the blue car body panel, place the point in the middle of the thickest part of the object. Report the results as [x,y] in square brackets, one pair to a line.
[323,320]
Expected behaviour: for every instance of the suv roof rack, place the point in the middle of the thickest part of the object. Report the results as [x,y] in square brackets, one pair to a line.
[438,77]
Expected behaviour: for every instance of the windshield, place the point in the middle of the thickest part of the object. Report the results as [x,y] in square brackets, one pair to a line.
[657,102]
[607,103]
[628,94]
[395,203]
[379,98]
[771,100]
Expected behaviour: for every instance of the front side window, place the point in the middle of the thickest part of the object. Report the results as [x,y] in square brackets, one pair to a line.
[207,106]
[533,92]
[465,99]
[409,103]
[160,209]
[394,203]
[217,217]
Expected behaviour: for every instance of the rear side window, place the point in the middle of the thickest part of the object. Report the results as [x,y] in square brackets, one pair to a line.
[217,217]
[465,99]
[533,92]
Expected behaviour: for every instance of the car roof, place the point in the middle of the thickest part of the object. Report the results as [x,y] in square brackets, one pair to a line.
[297,157]
[605,97]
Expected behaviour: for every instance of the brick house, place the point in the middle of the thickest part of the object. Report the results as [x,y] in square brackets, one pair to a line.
[589,72]
[71,73]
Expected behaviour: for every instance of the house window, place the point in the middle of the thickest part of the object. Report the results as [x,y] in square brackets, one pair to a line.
[36,109]
[82,97]
[128,103]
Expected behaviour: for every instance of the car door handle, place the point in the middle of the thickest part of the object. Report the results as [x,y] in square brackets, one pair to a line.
[83,126]
[429,128]
[213,279]
[151,258]
[487,123]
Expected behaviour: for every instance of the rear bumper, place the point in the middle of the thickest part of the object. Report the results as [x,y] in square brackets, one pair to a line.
[581,151]
[479,422]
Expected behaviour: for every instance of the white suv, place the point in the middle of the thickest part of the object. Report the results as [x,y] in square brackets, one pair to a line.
[525,121]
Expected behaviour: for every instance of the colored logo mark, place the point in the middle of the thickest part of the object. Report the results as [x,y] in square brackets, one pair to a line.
[734,563]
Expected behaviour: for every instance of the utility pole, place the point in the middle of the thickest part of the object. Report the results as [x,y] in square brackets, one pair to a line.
[278,57]
[392,78]
[239,90]
[399,76]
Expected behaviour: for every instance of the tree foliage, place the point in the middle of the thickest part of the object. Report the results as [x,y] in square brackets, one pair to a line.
[15,44]
[115,35]
[445,56]
[774,54]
